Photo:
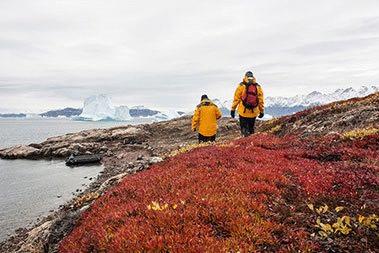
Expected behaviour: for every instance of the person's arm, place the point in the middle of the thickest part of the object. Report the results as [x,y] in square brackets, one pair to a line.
[195,119]
[261,100]
[237,97]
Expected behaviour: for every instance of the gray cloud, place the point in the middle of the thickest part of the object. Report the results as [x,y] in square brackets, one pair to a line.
[363,26]
[337,46]
[166,54]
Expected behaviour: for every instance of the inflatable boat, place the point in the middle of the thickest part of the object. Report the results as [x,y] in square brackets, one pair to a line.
[82,159]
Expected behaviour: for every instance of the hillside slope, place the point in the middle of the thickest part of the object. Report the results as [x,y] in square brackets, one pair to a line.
[306,189]
[342,116]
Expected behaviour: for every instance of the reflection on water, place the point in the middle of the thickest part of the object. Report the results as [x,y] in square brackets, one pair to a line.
[29,189]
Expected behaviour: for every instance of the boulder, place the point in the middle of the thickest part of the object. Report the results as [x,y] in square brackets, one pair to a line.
[35,145]
[20,151]
[63,152]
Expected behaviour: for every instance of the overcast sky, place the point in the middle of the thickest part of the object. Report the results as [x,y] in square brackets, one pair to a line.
[166,54]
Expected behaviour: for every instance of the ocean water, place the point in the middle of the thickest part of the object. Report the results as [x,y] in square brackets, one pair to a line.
[25,131]
[30,189]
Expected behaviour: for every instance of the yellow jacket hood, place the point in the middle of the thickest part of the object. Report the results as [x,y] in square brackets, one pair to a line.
[244,80]
[205,118]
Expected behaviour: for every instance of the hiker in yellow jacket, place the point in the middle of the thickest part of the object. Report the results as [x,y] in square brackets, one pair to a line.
[205,119]
[249,102]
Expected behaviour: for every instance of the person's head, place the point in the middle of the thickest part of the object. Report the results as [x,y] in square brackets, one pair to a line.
[203,97]
[249,77]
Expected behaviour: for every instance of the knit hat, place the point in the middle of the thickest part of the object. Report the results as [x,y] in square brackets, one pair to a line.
[204,97]
[249,74]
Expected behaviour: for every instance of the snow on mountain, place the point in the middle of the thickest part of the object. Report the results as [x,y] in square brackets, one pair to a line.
[223,106]
[278,106]
[317,98]
[142,111]
[63,113]
[162,115]
[99,107]
[139,107]
[171,114]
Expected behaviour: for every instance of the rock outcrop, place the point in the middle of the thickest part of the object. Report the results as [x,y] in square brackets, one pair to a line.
[115,140]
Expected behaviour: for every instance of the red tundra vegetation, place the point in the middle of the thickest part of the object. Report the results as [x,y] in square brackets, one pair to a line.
[256,194]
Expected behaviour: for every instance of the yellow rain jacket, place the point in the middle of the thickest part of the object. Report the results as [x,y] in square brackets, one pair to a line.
[237,101]
[205,118]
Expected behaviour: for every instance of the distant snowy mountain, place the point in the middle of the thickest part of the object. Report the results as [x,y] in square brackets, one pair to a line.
[66,112]
[99,107]
[142,111]
[170,114]
[19,115]
[12,115]
[279,106]
[317,98]
[223,106]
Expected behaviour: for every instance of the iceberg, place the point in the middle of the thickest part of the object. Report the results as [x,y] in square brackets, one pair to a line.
[122,113]
[99,107]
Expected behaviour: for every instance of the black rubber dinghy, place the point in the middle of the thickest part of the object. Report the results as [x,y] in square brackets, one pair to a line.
[82,159]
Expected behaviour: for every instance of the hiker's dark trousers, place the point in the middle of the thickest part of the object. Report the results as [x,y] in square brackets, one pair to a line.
[203,138]
[247,126]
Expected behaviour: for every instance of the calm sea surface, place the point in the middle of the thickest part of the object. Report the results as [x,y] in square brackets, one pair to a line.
[25,131]
[30,189]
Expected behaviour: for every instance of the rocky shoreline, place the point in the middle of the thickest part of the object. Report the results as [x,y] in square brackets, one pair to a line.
[126,149]
[130,149]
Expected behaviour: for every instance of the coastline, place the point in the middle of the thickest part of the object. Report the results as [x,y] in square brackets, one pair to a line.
[127,150]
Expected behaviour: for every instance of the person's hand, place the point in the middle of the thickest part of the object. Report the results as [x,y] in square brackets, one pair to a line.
[261,115]
[233,113]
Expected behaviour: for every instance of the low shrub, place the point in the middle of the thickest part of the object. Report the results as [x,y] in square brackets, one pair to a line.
[250,195]
[360,133]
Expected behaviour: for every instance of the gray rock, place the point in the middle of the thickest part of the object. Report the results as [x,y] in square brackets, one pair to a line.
[35,145]
[109,153]
[63,152]
[155,159]
[20,151]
